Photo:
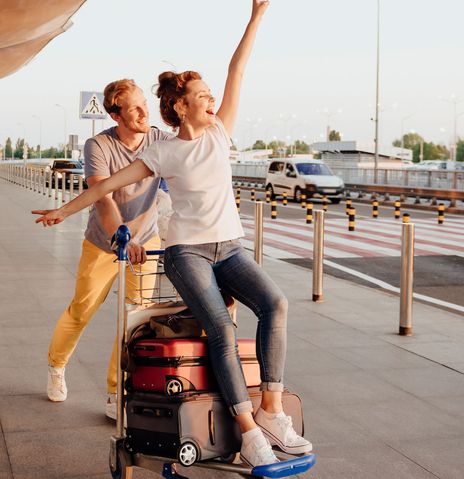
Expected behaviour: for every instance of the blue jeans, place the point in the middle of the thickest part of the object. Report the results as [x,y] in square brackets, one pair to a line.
[198,272]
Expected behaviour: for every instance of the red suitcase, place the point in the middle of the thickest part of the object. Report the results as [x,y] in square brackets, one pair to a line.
[173,366]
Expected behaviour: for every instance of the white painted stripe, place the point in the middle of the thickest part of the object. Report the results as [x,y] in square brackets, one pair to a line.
[306,245]
[359,244]
[390,228]
[269,250]
[389,287]
[397,241]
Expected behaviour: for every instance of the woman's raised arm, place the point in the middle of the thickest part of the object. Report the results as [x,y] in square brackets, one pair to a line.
[126,176]
[228,110]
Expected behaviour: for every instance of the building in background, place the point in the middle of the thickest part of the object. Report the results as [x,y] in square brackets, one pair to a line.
[356,154]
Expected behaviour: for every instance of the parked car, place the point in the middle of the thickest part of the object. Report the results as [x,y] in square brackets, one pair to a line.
[70,167]
[296,176]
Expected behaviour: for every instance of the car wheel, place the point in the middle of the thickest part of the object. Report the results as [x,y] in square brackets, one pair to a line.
[188,454]
[271,191]
[335,201]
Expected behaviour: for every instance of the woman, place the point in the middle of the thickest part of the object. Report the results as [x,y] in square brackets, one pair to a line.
[203,253]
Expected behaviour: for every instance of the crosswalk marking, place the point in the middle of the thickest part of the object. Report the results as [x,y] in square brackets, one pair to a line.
[287,238]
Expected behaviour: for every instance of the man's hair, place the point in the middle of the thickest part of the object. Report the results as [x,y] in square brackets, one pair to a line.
[113,92]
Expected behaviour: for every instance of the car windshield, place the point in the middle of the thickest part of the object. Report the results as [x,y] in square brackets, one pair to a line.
[67,164]
[313,169]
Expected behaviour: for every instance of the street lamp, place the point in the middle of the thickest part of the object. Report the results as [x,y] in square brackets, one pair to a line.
[65,129]
[377,100]
[40,135]
[455,102]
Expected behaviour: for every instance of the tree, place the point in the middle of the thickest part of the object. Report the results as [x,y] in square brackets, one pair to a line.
[412,141]
[460,150]
[8,148]
[278,147]
[19,148]
[301,147]
[259,145]
[334,136]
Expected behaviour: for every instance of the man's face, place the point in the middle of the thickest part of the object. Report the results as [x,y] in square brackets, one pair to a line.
[134,112]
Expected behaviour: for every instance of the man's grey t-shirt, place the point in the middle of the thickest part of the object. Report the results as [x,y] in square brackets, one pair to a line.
[105,155]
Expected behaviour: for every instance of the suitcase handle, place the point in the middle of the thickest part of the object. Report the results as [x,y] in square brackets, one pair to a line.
[152,411]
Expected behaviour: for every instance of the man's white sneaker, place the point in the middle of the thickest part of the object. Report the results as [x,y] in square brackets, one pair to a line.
[279,430]
[256,450]
[56,384]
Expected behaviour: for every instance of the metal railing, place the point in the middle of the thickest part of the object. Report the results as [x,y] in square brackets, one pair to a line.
[41,180]
[415,178]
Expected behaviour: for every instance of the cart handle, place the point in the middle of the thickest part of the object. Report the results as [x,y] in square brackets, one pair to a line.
[151,252]
[119,242]
[121,239]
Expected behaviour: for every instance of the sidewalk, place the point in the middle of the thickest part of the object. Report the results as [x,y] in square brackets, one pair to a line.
[377,406]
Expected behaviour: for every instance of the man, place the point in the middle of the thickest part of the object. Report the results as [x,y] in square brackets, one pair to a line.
[134,205]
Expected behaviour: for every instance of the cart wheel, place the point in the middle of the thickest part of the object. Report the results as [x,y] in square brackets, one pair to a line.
[123,469]
[188,453]
[173,387]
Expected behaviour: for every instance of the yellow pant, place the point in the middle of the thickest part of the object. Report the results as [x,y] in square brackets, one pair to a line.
[97,272]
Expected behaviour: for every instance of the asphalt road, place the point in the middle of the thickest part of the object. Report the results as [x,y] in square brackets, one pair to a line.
[436,276]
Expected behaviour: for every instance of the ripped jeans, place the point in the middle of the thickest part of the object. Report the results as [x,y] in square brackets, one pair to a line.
[198,272]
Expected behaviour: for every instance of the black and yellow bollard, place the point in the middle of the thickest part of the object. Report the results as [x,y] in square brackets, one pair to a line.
[237,203]
[349,202]
[238,192]
[325,203]
[274,209]
[309,213]
[441,213]
[253,194]
[397,210]
[375,209]
[268,196]
[351,219]
[284,198]
[303,200]
[406,218]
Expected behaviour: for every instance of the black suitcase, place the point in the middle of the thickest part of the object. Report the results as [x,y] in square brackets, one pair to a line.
[191,426]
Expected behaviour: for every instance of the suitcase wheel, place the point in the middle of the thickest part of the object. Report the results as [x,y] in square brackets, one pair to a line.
[188,453]
[173,387]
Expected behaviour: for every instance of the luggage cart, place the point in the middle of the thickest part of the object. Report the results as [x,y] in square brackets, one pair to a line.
[121,459]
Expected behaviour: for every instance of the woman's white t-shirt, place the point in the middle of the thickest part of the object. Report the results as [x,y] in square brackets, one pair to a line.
[199,177]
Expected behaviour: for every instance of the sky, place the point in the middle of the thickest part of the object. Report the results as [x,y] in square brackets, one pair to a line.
[313,65]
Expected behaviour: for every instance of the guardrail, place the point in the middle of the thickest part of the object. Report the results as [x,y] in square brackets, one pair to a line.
[415,178]
[41,180]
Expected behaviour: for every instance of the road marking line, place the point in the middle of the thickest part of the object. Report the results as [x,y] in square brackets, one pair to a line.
[389,287]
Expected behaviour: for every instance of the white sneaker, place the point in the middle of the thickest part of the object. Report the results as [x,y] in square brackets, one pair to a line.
[279,430]
[256,450]
[56,384]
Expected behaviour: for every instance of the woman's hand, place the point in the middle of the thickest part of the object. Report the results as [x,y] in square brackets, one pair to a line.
[49,217]
[259,7]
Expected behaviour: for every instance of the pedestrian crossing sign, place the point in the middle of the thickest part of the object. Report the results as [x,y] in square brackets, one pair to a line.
[91,106]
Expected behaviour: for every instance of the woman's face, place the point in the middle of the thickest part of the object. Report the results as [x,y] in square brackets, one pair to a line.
[199,105]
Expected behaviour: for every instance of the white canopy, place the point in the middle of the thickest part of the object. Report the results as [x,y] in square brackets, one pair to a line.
[26,26]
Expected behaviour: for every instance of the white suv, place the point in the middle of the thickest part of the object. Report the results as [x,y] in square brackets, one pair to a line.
[296,176]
